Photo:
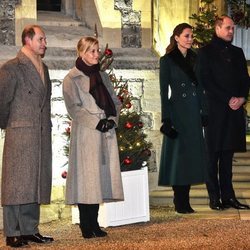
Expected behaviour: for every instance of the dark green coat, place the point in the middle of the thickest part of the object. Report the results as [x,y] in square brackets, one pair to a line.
[183,160]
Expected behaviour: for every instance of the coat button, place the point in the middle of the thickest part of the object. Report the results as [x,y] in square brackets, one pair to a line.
[193,84]
[194,94]
[184,95]
[183,84]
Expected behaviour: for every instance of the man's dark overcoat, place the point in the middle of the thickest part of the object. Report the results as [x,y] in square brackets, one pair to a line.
[25,113]
[223,73]
[183,160]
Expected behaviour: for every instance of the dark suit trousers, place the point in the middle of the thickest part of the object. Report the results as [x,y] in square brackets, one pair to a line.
[21,219]
[219,184]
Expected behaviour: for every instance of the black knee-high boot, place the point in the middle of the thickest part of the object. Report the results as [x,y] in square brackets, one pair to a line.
[181,199]
[94,221]
[178,199]
[186,190]
[85,221]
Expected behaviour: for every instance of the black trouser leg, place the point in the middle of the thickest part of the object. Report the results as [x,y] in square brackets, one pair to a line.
[225,175]
[212,183]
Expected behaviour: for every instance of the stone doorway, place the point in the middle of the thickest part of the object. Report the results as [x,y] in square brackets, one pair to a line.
[49,5]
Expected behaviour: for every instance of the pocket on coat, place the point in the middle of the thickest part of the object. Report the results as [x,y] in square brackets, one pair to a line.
[18,124]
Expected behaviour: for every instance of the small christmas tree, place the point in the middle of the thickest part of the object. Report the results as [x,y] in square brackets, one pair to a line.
[134,150]
[204,23]
[239,11]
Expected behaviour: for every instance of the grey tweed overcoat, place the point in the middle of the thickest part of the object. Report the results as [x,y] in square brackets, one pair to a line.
[25,113]
[94,168]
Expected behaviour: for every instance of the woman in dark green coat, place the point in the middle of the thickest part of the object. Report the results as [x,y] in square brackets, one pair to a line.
[183,155]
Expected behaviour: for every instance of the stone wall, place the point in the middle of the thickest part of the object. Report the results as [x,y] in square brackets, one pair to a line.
[25,14]
[7,21]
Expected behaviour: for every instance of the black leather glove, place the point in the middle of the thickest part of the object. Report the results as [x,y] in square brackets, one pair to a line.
[102,125]
[204,120]
[110,124]
[168,130]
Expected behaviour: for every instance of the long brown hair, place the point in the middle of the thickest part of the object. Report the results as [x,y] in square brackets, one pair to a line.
[177,32]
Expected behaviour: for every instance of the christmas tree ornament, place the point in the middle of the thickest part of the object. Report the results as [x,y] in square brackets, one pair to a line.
[129,125]
[68,130]
[128,105]
[127,160]
[120,98]
[146,152]
[64,174]
[140,124]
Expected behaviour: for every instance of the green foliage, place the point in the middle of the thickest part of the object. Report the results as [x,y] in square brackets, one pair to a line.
[239,12]
[204,23]
[134,150]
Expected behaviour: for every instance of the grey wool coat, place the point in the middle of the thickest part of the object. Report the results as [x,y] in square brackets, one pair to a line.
[25,114]
[94,173]
[183,160]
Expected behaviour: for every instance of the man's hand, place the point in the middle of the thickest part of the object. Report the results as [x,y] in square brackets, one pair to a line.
[236,102]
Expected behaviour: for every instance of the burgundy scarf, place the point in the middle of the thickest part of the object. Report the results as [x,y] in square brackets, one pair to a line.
[97,88]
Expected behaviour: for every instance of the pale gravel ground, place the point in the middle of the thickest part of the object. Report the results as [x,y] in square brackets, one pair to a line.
[166,230]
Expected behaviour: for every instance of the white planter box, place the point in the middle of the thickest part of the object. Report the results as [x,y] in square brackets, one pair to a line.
[134,208]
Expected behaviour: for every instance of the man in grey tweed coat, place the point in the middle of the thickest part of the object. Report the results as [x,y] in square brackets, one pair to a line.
[25,92]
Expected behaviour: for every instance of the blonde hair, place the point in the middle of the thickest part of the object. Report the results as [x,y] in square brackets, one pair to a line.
[85,43]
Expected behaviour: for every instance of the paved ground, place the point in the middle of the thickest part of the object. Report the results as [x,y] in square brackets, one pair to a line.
[206,229]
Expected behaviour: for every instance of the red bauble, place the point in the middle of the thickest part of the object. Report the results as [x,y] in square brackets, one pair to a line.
[127,160]
[128,125]
[64,174]
[146,152]
[140,124]
[68,130]
[108,52]
[128,105]
[120,98]
[112,78]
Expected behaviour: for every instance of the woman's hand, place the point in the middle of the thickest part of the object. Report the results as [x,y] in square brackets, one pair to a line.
[168,129]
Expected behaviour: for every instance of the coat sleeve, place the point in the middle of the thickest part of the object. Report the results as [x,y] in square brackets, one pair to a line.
[165,79]
[76,107]
[7,91]
[205,77]
[244,80]
[114,97]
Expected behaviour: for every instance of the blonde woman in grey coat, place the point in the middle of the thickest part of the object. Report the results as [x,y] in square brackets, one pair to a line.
[94,173]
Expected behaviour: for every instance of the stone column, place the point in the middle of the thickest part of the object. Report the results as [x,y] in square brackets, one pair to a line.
[131,24]
[7,21]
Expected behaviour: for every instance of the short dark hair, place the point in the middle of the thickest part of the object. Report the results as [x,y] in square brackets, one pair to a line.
[219,20]
[29,31]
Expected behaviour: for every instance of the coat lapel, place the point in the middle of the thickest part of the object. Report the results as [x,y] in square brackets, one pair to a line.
[186,64]
[28,68]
